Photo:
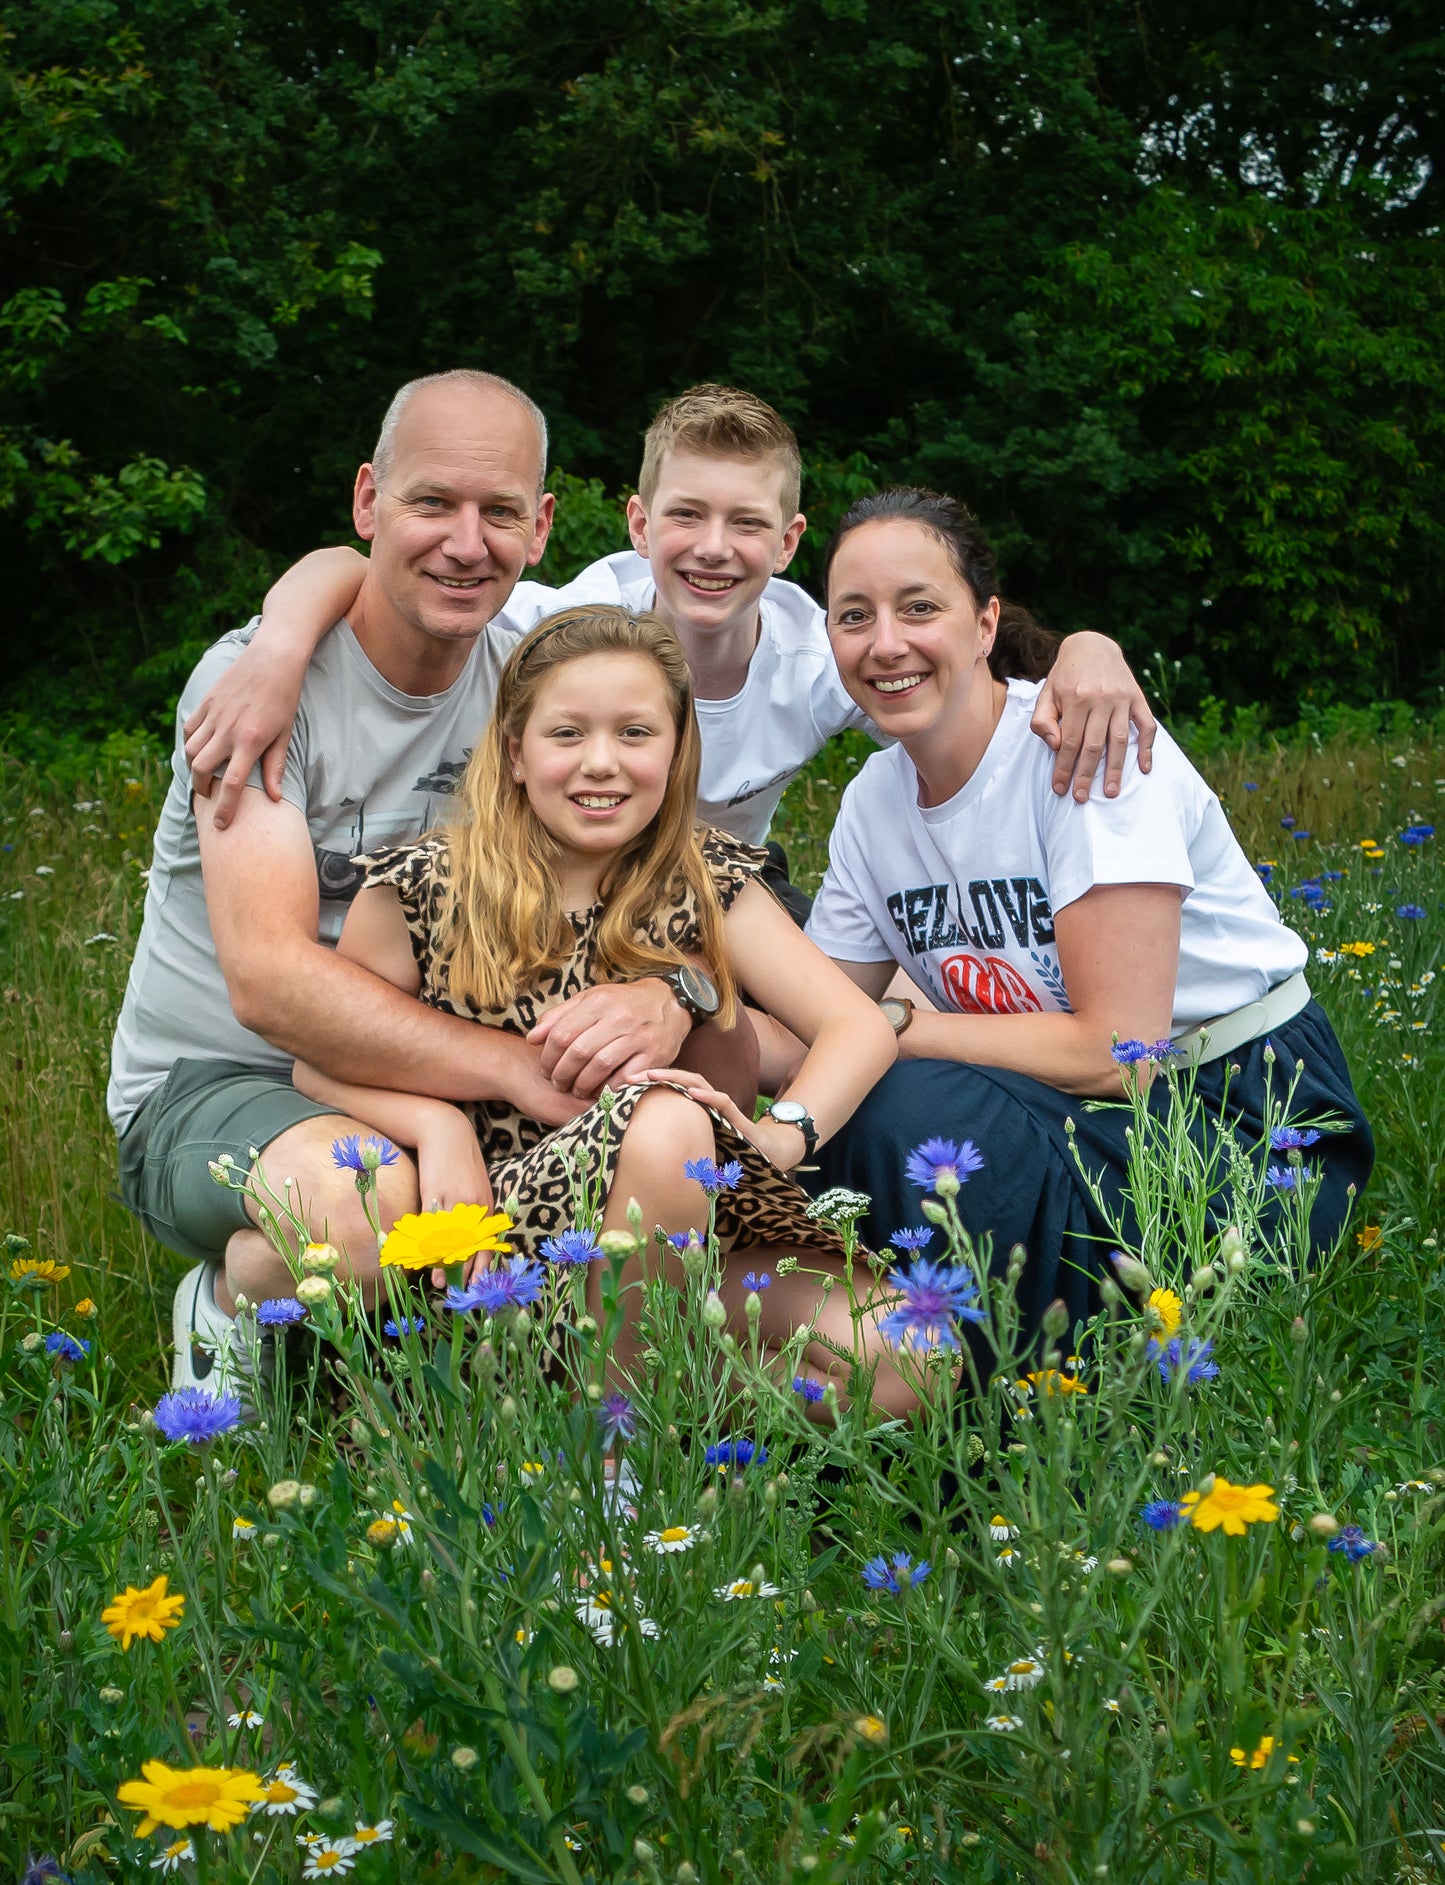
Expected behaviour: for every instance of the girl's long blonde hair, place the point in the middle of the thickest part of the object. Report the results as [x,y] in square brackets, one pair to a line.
[502,923]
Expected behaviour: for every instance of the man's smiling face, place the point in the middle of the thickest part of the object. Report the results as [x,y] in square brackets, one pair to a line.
[714,533]
[456,516]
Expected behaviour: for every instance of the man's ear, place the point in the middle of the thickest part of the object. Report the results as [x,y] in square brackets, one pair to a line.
[637,524]
[792,537]
[541,530]
[363,503]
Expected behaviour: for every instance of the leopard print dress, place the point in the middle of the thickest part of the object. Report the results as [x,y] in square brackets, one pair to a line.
[553,1179]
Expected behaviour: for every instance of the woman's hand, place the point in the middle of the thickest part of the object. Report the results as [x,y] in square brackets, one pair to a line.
[781,1145]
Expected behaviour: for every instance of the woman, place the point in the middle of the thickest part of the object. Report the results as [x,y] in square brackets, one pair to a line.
[577,861]
[1045,931]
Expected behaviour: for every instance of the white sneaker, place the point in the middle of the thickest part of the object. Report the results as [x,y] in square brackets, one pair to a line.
[210,1353]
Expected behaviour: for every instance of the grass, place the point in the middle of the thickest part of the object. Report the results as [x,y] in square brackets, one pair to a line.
[443,1669]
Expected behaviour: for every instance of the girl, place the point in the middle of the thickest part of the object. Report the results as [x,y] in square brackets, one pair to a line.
[1042,929]
[578,862]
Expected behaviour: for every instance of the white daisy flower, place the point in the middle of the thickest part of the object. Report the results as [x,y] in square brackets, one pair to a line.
[1085,1563]
[996,1685]
[999,1529]
[284,1792]
[404,1521]
[1009,1557]
[1004,1724]
[371,1835]
[329,1860]
[246,1718]
[1025,1672]
[671,1538]
[1415,1485]
[1112,1707]
[242,1528]
[170,1859]
[745,1587]
[599,1614]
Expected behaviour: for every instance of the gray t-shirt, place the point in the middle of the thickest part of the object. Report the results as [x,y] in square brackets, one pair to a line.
[368,766]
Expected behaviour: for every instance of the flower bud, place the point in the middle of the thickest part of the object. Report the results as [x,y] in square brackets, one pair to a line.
[85,1309]
[617,1243]
[642,1852]
[320,1259]
[1204,1278]
[1231,1245]
[1110,1292]
[1120,1567]
[686,1873]
[307,1496]
[713,1312]
[111,1695]
[507,1411]
[285,1492]
[1324,1525]
[1056,1320]
[637,1796]
[753,1304]
[563,1679]
[29,1343]
[946,1184]
[465,1759]
[934,1211]
[1131,1272]
[315,1290]
[707,1502]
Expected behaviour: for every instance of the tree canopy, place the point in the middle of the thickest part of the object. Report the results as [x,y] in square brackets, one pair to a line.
[1157,289]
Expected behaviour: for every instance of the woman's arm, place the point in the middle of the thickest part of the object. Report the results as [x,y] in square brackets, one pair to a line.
[248,714]
[850,1044]
[1119,953]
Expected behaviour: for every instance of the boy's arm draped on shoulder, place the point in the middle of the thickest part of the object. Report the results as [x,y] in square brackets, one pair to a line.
[316,1005]
[248,713]
[1083,713]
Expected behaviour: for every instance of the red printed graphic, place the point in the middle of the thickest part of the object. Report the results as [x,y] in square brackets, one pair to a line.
[988,985]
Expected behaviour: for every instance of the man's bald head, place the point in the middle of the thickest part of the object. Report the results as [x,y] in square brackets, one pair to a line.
[468,379]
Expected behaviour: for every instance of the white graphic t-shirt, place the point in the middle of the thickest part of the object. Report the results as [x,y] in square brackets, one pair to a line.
[786,711]
[367,765]
[963,895]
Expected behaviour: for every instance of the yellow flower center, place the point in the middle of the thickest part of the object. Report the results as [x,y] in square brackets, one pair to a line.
[673,1534]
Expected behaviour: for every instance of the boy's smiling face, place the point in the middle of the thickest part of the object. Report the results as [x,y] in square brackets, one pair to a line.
[714,534]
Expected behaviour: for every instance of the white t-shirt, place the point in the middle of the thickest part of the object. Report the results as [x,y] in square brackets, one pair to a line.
[367,765]
[788,708]
[963,894]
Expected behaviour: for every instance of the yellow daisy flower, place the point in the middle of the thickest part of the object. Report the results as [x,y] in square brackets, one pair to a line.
[1235,1508]
[149,1613]
[1167,1310]
[1257,1757]
[425,1240]
[38,1270]
[218,1797]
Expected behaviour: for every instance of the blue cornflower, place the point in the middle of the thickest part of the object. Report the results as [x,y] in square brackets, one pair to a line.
[616,1419]
[1332,877]
[512,1284]
[397,1326]
[1412,912]
[1298,835]
[1352,1542]
[1292,1138]
[1288,1177]
[571,1246]
[735,1453]
[1127,1052]
[1286,823]
[941,1158]
[66,1346]
[914,1240]
[351,1155]
[898,1574]
[193,1415]
[1163,1515]
[1164,1050]
[936,1296]
[489,1513]
[45,1870]
[278,1312]
[713,1177]
[1193,1356]
[811,1391]
[756,1280]
[680,1239]
[1416,834]
[1264,872]
[1250,786]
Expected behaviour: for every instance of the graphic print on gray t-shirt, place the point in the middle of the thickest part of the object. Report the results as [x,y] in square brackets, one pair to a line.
[367,766]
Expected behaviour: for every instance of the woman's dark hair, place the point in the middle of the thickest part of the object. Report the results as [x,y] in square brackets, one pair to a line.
[1023,649]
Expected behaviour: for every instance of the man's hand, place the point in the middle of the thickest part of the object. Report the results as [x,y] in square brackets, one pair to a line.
[246,716]
[612,1032]
[1084,709]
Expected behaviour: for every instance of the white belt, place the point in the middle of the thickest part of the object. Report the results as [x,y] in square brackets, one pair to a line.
[1212,1040]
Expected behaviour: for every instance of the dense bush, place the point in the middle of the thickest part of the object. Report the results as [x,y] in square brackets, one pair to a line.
[1162,295]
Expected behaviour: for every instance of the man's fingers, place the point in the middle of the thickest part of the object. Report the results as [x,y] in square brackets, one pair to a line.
[1091,751]
[1147,726]
[232,786]
[1045,721]
[1066,758]
[273,765]
[1117,753]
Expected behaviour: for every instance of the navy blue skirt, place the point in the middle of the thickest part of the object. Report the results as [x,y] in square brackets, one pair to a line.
[1030,1190]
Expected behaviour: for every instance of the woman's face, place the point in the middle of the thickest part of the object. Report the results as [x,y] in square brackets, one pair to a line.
[910,641]
[595,753]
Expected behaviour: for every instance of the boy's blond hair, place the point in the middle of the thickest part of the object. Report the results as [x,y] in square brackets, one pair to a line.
[722,422]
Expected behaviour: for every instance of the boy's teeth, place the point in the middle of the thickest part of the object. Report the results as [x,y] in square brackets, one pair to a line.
[900,686]
[713,582]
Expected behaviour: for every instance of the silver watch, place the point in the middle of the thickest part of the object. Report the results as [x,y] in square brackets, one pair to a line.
[794,1113]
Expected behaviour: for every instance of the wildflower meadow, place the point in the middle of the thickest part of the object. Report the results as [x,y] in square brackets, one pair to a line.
[441,1597]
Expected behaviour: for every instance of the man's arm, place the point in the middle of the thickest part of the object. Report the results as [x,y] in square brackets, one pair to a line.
[1083,713]
[249,712]
[263,902]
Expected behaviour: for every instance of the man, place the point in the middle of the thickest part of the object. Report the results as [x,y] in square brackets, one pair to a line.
[235,974]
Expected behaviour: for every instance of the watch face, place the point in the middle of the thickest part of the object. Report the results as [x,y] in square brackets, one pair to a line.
[698,988]
[788,1112]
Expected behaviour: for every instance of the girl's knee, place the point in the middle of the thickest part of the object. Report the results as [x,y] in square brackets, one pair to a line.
[664,1118]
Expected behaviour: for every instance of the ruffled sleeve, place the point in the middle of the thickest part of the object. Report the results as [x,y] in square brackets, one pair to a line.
[730,863]
[418,874]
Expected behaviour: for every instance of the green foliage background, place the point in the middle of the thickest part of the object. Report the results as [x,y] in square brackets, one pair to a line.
[1158,289]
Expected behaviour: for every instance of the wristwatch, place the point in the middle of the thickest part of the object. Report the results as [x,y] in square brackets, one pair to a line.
[695,990]
[898,1010]
[794,1113]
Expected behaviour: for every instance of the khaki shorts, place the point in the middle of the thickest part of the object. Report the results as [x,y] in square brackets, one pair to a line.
[205,1108]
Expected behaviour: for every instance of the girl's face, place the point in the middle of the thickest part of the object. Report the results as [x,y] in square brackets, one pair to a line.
[910,641]
[595,753]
